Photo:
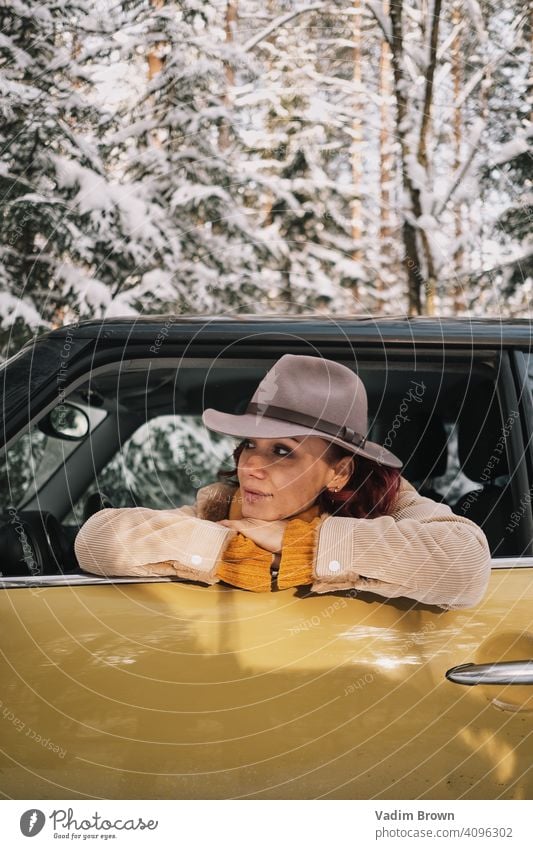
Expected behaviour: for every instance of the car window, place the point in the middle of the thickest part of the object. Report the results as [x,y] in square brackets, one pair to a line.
[447,424]
[34,458]
[453,436]
[162,465]
[453,484]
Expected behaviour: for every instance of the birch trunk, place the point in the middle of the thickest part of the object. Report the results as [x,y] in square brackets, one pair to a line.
[457,77]
[229,29]
[357,143]
[418,259]
[386,192]
[411,257]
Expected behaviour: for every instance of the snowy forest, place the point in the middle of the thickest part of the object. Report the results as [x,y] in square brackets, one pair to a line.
[235,156]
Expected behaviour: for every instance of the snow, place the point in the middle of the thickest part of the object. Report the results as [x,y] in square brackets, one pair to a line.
[131,187]
[159,281]
[94,193]
[474,10]
[91,294]
[376,8]
[522,143]
[35,198]
[194,193]
[13,307]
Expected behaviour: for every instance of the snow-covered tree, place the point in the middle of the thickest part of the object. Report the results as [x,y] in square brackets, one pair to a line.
[508,171]
[62,221]
[162,465]
[295,135]
[183,155]
[211,155]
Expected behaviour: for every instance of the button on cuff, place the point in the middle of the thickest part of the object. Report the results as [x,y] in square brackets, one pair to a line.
[335,556]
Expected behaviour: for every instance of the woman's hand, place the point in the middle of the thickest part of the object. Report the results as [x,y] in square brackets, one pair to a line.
[268,535]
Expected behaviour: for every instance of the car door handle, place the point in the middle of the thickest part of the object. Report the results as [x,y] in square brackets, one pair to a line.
[506,672]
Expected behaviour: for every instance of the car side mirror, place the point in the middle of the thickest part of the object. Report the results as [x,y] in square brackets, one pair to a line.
[65,422]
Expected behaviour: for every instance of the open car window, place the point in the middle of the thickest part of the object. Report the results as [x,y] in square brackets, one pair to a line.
[161,465]
[445,420]
[32,460]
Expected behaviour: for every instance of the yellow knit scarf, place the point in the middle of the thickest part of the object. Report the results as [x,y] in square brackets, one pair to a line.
[246,565]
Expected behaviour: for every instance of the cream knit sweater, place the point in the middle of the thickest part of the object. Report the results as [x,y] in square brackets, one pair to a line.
[422,550]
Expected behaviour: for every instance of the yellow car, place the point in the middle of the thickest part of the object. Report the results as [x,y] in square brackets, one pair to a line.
[156,688]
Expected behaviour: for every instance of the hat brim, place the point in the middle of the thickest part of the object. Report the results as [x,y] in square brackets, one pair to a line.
[250,425]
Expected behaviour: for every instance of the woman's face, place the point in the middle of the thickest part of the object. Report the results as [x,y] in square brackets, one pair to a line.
[287,473]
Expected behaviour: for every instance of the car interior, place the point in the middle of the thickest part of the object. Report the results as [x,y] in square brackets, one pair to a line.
[445,424]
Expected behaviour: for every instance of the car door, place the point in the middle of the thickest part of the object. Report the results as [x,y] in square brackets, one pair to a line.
[148,690]
[161,689]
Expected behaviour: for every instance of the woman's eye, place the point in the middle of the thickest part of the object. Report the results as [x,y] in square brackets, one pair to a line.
[279,448]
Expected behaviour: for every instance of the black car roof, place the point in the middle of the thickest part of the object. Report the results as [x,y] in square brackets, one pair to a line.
[399,328]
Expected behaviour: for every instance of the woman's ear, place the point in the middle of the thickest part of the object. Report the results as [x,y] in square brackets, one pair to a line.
[344,469]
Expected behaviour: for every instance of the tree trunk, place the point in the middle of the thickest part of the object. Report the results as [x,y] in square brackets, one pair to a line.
[434,20]
[411,257]
[386,173]
[229,29]
[356,150]
[529,89]
[155,65]
[457,77]
[154,60]
[485,87]
[421,278]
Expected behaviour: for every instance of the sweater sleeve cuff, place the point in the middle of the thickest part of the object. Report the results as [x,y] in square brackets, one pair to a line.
[334,557]
[123,541]
[206,548]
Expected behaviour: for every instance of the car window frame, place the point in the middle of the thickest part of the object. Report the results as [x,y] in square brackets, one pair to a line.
[516,453]
[524,388]
[71,479]
[496,359]
[30,499]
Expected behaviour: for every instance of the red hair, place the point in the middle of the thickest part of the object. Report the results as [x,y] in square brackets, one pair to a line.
[370,492]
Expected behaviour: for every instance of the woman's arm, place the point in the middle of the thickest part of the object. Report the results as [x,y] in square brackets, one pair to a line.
[422,551]
[142,541]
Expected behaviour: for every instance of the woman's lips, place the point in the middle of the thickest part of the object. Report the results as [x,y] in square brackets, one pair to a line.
[251,496]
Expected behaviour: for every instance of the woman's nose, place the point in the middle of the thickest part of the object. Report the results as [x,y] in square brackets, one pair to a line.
[255,463]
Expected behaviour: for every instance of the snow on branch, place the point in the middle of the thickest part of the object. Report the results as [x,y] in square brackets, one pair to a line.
[376,8]
[445,46]
[489,66]
[513,148]
[279,22]
[13,307]
[473,9]
[475,135]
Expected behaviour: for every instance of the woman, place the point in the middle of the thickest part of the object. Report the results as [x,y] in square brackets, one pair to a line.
[316,504]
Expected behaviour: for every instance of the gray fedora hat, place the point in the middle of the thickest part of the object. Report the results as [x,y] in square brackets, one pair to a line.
[302,395]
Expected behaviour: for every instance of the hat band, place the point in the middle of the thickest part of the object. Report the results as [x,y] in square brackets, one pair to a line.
[344,432]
